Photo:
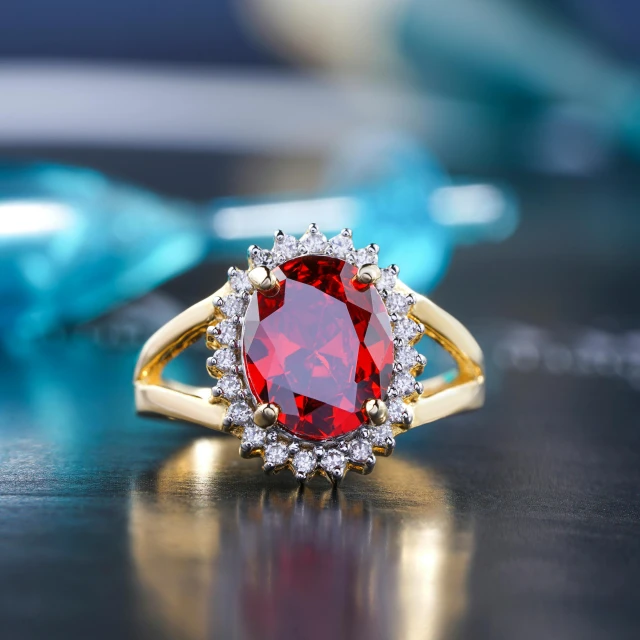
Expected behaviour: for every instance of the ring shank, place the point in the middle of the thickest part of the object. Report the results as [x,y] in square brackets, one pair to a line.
[443,395]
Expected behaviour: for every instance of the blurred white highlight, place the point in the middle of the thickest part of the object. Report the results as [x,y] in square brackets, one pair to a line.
[33,217]
[250,221]
[467,204]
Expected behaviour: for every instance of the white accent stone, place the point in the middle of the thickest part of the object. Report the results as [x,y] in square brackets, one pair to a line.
[397,303]
[333,459]
[387,280]
[407,357]
[276,453]
[314,242]
[359,450]
[254,436]
[225,359]
[406,329]
[240,282]
[304,461]
[233,305]
[285,248]
[240,414]
[404,384]
[365,256]
[230,386]
[379,435]
[229,331]
[395,409]
[262,258]
[341,246]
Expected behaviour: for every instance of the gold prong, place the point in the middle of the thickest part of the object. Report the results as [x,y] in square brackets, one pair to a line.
[262,279]
[376,411]
[368,273]
[266,415]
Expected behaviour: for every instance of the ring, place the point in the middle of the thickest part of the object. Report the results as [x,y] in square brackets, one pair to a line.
[314,356]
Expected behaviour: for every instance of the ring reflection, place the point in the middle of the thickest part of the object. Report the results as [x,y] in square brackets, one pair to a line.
[221,552]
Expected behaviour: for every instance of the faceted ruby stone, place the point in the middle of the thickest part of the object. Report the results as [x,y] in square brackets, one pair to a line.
[319,348]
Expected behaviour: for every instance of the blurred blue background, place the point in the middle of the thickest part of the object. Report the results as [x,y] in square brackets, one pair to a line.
[373,124]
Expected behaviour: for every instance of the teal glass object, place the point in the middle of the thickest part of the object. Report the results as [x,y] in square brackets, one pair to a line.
[388,190]
[75,244]
[420,214]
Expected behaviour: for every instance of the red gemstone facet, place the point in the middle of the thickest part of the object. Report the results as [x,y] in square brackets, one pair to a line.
[319,348]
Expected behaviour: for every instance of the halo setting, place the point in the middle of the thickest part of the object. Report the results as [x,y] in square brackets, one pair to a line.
[314,359]
[314,355]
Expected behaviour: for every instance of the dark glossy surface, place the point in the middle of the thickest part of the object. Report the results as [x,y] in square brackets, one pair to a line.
[518,521]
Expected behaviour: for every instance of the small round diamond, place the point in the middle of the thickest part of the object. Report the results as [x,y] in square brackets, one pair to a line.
[285,248]
[230,386]
[254,436]
[228,331]
[407,357]
[240,282]
[333,459]
[404,384]
[276,453]
[304,462]
[365,256]
[387,280]
[233,305]
[240,414]
[406,329]
[341,246]
[397,303]
[314,242]
[380,435]
[262,258]
[396,408]
[360,450]
[225,359]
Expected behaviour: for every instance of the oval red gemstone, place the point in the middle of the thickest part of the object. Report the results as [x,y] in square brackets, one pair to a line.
[319,348]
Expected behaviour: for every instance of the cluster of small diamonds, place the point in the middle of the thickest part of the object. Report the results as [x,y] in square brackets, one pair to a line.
[278,448]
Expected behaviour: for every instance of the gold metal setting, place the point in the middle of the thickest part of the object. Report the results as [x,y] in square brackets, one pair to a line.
[262,279]
[376,411]
[266,415]
[408,406]
[368,274]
